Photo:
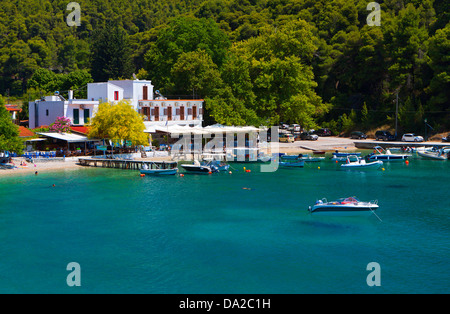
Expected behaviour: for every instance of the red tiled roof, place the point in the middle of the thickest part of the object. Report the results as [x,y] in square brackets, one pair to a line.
[24,132]
[12,108]
[80,129]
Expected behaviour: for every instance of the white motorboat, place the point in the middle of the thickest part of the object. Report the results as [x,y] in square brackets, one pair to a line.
[349,206]
[438,154]
[197,167]
[386,155]
[358,163]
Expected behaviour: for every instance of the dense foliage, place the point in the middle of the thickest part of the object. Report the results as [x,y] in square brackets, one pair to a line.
[119,122]
[9,132]
[254,61]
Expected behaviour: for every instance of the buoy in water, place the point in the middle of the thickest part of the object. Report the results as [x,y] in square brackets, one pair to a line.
[181,175]
[318,168]
[407,162]
[142,175]
[229,172]
[382,169]
[210,172]
[244,168]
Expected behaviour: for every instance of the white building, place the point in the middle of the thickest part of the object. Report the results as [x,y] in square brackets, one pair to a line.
[159,111]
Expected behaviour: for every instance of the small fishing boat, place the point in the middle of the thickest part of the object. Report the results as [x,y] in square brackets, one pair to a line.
[358,163]
[340,156]
[304,157]
[385,155]
[163,168]
[197,167]
[290,163]
[349,206]
[437,154]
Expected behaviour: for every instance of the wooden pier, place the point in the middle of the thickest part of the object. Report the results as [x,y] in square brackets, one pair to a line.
[122,163]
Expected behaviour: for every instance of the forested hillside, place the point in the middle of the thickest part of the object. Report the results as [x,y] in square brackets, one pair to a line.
[313,62]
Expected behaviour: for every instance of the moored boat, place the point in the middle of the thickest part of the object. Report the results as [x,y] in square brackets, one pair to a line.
[349,206]
[340,156]
[304,157]
[385,155]
[197,167]
[358,163]
[163,168]
[292,164]
[439,154]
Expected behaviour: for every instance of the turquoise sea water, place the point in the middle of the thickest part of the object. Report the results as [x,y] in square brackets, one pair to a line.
[222,233]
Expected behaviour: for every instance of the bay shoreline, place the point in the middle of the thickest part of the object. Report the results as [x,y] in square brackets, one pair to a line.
[299,147]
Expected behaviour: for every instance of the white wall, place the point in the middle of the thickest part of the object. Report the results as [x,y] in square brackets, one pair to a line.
[104,91]
[133,90]
[47,112]
[80,105]
[174,104]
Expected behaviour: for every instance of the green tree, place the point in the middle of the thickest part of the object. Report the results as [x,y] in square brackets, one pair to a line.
[111,54]
[281,75]
[9,132]
[183,35]
[118,122]
[196,72]
[439,53]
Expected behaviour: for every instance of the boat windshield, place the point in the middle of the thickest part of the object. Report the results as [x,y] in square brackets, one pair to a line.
[347,200]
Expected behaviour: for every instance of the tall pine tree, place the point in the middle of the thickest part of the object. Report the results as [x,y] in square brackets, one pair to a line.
[111,54]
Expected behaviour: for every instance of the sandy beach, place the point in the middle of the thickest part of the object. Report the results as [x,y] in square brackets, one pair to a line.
[40,167]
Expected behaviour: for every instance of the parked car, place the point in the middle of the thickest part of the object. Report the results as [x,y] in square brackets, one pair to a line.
[358,135]
[284,126]
[323,132]
[411,137]
[287,138]
[384,135]
[309,136]
[446,138]
[294,127]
